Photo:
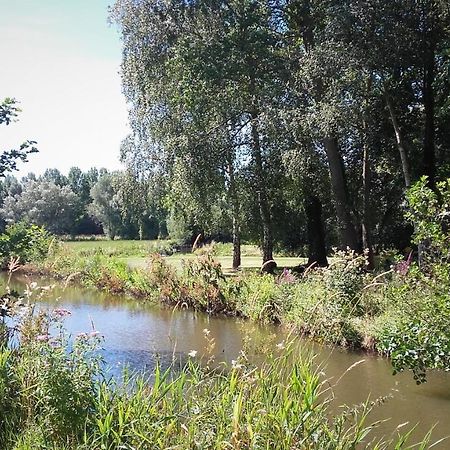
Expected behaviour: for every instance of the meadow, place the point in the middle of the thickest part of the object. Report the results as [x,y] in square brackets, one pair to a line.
[135,253]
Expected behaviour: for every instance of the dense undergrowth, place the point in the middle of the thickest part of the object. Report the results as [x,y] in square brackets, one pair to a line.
[400,312]
[54,395]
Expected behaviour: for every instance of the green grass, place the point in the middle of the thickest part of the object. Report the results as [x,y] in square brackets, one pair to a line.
[248,262]
[135,253]
[108,246]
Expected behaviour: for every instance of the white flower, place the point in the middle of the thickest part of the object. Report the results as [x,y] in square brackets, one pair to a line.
[206,332]
[280,346]
[33,285]
[193,353]
[235,364]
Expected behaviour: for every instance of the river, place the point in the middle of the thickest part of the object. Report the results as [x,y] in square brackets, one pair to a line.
[137,335]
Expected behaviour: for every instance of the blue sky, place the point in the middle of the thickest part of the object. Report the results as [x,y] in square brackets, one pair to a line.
[61,59]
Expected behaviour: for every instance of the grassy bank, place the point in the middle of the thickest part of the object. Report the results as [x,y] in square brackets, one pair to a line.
[400,312]
[135,253]
[54,395]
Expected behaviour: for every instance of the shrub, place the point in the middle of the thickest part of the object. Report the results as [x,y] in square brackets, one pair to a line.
[429,211]
[47,383]
[345,279]
[261,298]
[163,280]
[25,241]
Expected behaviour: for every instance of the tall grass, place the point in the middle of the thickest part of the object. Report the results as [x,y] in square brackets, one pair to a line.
[55,395]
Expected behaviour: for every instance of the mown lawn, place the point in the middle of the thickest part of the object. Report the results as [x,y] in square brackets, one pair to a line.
[135,253]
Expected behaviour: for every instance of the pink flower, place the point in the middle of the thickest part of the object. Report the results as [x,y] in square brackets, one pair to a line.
[402,267]
[61,312]
[286,277]
[43,337]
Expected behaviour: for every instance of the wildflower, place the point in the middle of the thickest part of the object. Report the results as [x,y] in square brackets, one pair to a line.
[206,332]
[286,277]
[61,312]
[236,365]
[193,353]
[33,285]
[54,342]
[402,267]
[281,346]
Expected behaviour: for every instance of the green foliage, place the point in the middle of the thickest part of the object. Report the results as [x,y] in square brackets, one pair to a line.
[418,338]
[345,279]
[8,158]
[429,211]
[203,280]
[261,299]
[47,382]
[164,280]
[377,313]
[25,241]
[44,203]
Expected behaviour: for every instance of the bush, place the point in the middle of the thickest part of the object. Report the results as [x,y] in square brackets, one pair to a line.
[47,382]
[345,279]
[203,280]
[429,211]
[25,241]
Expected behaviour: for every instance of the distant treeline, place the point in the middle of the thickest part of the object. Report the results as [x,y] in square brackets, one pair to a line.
[81,203]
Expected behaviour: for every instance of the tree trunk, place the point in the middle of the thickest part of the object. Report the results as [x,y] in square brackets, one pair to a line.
[366,225]
[236,244]
[429,158]
[400,142]
[317,252]
[347,231]
[264,210]
[366,222]
[141,230]
[234,211]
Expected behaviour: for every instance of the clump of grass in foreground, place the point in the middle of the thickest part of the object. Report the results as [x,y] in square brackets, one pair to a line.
[53,395]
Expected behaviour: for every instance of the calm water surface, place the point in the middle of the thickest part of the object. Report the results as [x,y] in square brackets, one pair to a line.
[138,335]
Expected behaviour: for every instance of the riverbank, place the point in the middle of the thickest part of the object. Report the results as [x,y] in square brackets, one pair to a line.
[392,313]
[144,335]
[55,395]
